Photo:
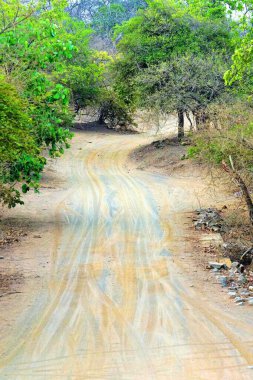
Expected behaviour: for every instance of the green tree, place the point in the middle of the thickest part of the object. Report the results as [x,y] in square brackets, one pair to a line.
[227,143]
[107,17]
[14,13]
[89,10]
[44,54]
[20,158]
[187,83]
[162,46]
[240,74]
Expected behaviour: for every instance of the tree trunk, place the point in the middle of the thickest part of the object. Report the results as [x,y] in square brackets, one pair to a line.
[201,117]
[101,119]
[245,191]
[180,115]
[190,120]
[197,119]
[246,195]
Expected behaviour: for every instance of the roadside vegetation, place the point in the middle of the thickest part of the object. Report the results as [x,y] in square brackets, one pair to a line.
[194,59]
[47,67]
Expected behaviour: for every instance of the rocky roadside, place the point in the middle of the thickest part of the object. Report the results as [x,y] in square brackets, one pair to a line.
[221,236]
[233,270]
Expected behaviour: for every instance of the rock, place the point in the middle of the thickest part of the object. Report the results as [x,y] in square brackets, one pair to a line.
[209,219]
[239,299]
[250,301]
[235,251]
[224,281]
[215,265]
[226,261]
[234,264]
[231,274]
[233,287]
[161,143]
[245,294]
[1,257]
[242,279]
[232,294]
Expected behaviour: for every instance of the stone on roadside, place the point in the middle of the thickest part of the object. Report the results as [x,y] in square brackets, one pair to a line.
[224,281]
[245,294]
[209,219]
[239,299]
[242,279]
[250,301]
[232,294]
[215,265]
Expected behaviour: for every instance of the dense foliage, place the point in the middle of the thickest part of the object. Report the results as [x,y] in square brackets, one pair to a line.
[194,58]
[227,142]
[170,60]
[45,56]
[103,15]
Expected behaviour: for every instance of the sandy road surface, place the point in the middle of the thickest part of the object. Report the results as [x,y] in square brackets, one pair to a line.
[116,305]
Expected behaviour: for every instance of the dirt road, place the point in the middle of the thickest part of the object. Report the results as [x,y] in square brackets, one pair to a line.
[116,302]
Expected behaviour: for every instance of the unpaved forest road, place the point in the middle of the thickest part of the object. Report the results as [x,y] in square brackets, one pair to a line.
[117,305]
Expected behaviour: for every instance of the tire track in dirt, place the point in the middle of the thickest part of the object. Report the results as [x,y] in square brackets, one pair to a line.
[115,308]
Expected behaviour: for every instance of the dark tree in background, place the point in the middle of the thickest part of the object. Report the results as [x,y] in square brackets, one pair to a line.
[103,15]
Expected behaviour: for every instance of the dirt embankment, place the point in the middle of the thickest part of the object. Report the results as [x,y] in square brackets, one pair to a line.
[212,189]
[26,244]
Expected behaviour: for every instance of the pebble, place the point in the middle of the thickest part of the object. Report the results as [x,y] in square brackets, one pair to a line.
[245,294]
[216,265]
[224,281]
[231,274]
[234,287]
[250,301]
[1,257]
[242,279]
[235,281]
[239,299]
[232,294]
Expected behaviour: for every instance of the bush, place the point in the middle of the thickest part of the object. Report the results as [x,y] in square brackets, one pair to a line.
[19,153]
[227,141]
[114,112]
